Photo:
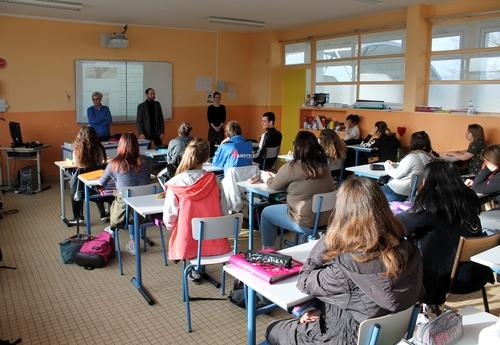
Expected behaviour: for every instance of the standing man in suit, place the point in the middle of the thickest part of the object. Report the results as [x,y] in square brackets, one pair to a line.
[150,123]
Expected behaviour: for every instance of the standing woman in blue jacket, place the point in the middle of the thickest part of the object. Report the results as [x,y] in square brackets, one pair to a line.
[99,117]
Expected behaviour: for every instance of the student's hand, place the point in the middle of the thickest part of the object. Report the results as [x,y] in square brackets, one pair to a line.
[161,136]
[254,179]
[310,316]
[468,182]
[266,175]
[388,164]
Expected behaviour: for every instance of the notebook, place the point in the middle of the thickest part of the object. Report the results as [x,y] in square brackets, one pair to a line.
[92,175]
[269,273]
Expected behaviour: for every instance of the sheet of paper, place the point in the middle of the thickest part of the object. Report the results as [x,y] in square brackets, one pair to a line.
[203,84]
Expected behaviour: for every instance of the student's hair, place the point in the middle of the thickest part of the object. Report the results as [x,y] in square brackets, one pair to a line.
[364,226]
[184,129]
[127,155]
[445,196]
[382,128]
[197,152]
[88,150]
[147,90]
[492,155]
[309,154]
[420,141]
[233,128]
[353,117]
[97,94]
[476,131]
[270,116]
[216,93]
[334,147]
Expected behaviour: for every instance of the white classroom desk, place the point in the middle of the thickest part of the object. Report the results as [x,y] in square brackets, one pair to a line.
[32,154]
[211,168]
[365,171]
[474,320]
[143,205]
[63,166]
[286,158]
[284,294]
[490,258]
[88,185]
[260,189]
[359,148]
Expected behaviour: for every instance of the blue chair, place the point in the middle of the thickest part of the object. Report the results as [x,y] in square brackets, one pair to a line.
[210,229]
[320,203]
[138,191]
[415,183]
[388,329]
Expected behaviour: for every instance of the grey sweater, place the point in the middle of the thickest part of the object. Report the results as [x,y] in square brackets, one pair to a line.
[130,178]
[176,148]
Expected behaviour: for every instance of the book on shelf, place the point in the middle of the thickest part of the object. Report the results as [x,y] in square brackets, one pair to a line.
[267,272]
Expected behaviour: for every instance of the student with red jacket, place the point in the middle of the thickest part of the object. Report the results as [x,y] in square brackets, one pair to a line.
[192,192]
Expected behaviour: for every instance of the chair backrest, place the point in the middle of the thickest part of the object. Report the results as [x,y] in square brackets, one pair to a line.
[272,152]
[416,180]
[211,228]
[146,189]
[322,203]
[389,328]
[469,246]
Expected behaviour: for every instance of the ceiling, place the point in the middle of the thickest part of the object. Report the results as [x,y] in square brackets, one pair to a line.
[193,14]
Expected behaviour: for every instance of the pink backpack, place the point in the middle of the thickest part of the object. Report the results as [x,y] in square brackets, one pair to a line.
[96,253]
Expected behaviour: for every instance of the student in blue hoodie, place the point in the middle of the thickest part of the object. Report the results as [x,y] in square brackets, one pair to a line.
[235,150]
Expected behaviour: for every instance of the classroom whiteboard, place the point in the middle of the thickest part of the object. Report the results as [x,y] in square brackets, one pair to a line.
[122,84]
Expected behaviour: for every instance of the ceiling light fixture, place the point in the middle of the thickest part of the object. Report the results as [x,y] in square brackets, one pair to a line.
[237,21]
[60,5]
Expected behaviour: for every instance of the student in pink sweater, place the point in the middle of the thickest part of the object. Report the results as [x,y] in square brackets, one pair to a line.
[192,192]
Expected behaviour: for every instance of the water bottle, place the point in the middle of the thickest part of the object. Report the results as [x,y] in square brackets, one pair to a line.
[470,108]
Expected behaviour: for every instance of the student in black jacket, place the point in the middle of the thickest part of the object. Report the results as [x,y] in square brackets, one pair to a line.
[270,138]
[384,141]
[487,181]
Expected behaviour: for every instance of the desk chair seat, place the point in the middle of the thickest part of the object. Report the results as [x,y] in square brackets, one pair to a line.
[154,220]
[321,203]
[210,229]
[270,158]
[479,274]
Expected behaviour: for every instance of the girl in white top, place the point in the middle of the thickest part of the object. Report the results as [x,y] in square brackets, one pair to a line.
[400,184]
[351,130]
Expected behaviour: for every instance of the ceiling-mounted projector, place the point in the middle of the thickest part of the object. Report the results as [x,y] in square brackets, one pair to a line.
[115,40]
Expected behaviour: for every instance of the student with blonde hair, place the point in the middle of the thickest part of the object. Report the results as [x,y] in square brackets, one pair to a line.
[362,268]
[192,192]
[335,148]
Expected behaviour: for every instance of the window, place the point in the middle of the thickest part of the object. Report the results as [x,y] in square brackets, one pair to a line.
[369,66]
[465,65]
[298,53]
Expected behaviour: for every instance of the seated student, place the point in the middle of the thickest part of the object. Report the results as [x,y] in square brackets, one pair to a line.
[235,150]
[307,174]
[270,138]
[88,155]
[192,192]
[177,145]
[127,169]
[444,210]
[335,148]
[384,140]
[362,268]
[487,181]
[399,186]
[352,136]
[474,134]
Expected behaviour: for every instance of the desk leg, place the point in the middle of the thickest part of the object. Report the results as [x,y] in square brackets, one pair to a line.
[61,192]
[356,159]
[250,316]
[38,171]
[87,209]
[250,220]
[8,171]
[137,280]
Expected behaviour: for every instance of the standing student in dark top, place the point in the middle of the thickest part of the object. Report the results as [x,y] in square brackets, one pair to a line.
[216,116]
[270,138]
[150,123]
[474,134]
[487,181]
[444,210]
[384,141]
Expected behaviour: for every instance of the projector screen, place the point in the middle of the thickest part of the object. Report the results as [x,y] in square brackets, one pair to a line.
[122,84]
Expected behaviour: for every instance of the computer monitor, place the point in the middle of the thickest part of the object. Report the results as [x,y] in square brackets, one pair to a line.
[321,98]
[15,134]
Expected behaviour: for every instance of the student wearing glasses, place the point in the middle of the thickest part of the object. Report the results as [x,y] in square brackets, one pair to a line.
[99,117]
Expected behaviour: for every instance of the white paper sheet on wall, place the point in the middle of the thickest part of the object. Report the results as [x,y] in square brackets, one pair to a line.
[203,84]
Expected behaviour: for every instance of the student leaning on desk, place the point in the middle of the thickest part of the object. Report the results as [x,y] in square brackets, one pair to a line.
[361,269]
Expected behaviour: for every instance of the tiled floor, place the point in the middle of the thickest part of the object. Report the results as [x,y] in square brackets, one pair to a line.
[47,302]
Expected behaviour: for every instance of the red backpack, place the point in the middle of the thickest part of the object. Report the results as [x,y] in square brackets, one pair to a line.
[96,253]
